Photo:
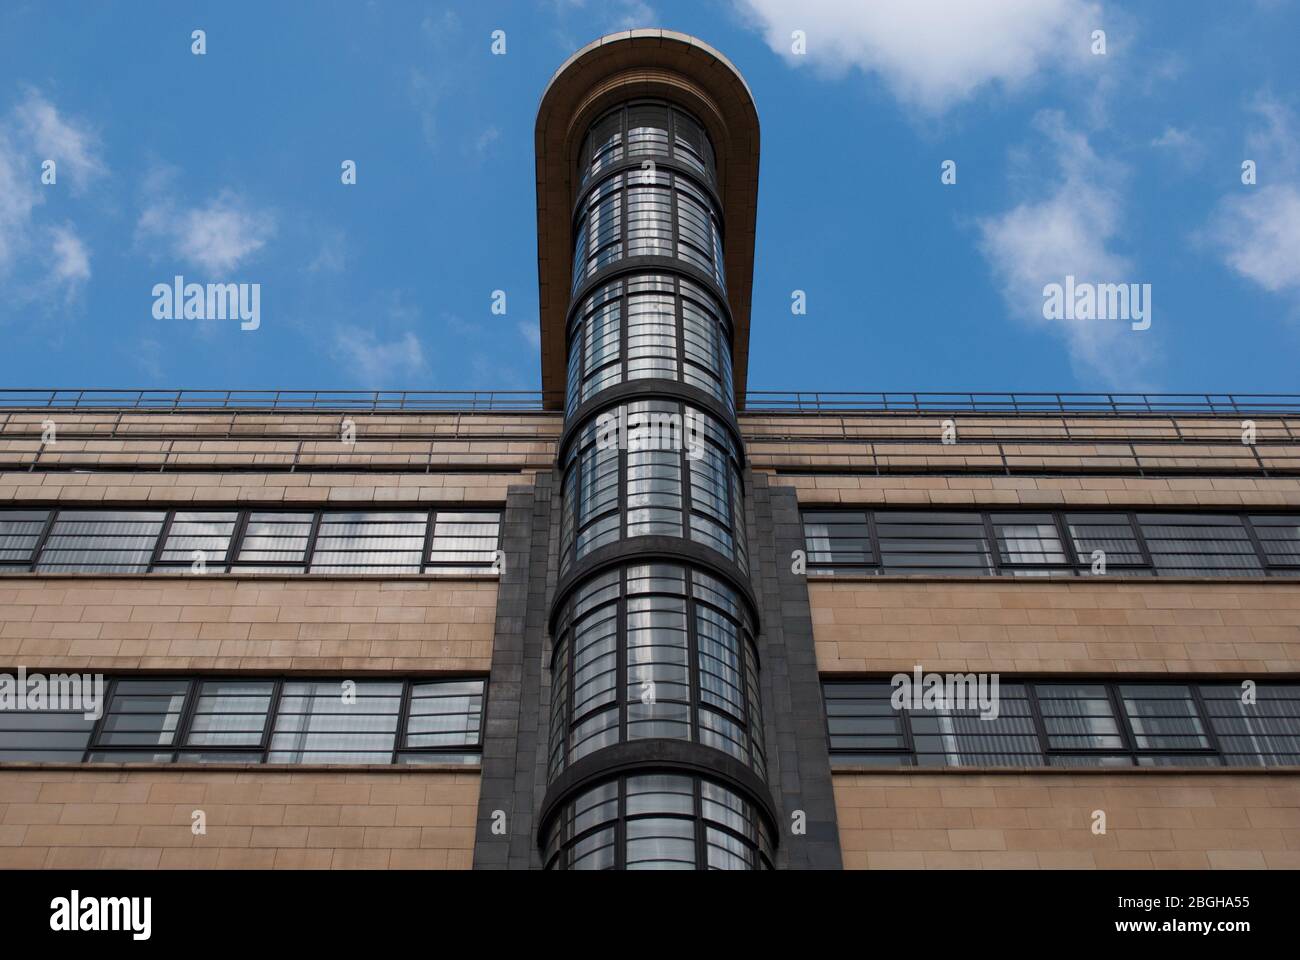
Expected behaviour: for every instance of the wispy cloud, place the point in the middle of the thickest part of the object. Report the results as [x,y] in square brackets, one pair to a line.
[1256,229]
[606,16]
[932,54]
[71,262]
[217,236]
[1069,229]
[376,363]
[530,332]
[332,255]
[37,260]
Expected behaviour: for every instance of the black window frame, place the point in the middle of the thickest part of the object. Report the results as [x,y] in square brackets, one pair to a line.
[429,566]
[907,755]
[259,754]
[1076,564]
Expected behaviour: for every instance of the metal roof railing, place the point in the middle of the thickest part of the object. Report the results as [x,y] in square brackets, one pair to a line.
[756,401]
[360,401]
[1021,404]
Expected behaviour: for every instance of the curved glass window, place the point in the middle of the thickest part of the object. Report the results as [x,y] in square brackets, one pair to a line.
[658,821]
[652,468]
[649,326]
[655,651]
[647,213]
[646,128]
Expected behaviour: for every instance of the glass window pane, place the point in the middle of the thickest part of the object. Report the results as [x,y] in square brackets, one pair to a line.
[101,541]
[1107,537]
[444,714]
[194,537]
[334,721]
[464,542]
[1279,537]
[144,713]
[837,539]
[933,542]
[1028,539]
[1257,724]
[369,543]
[19,532]
[1163,717]
[277,538]
[230,713]
[1078,716]
[1199,544]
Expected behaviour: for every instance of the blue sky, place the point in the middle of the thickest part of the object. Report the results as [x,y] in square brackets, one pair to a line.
[1123,168]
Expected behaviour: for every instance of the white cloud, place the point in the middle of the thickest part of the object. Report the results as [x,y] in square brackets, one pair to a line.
[933,53]
[42,260]
[71,262]
[530,332]
[376,363]
[1256,229]
[216,237]
[608,16]
[73,147]
[1069,232]
[1174,138]
[333,254]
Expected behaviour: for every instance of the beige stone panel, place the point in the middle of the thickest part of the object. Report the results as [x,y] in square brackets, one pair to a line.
[115,816]
[1155,819]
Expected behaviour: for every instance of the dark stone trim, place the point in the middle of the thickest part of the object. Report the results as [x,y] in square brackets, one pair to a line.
[794,716]
[515,726]
[654,549]
[669,756]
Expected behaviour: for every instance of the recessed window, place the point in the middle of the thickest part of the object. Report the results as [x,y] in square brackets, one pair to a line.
[20,532]
[1042,544]
[934,542]
[101,541]
[1197,544]
[198,538]
[261,720]
[1080,722]
[458,542]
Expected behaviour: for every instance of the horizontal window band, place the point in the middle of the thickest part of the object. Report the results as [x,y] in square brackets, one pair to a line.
[278,540]
[637,551]
[642,264]
[647,389]
[1076,721]
[661,162]
[251,718]
[656,756]
[1027,542]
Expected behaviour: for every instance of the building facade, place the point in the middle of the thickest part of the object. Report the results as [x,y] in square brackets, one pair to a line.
[648,618]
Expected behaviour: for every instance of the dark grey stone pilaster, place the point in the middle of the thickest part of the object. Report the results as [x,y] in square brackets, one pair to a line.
[515,734]
[799,769]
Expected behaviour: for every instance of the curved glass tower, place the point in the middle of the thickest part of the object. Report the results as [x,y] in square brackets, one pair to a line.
[647,147]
